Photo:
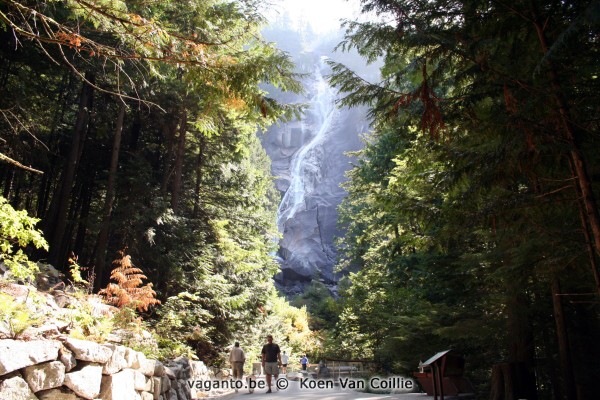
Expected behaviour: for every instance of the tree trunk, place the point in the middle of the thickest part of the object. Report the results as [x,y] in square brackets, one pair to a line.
[177,173]
[47,184]
[43,193]
[507,381]
[15,199]
[586,233]
[563,343]
[135,133]
[566,126]
[199,163]
[58,220]
[8,182]
[102,242]
[87,193]
[521,346]
[169,130]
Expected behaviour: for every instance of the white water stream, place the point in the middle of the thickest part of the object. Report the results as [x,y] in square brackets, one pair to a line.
[305,162]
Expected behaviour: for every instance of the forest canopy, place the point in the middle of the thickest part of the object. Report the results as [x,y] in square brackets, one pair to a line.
[128,129]
[472,215]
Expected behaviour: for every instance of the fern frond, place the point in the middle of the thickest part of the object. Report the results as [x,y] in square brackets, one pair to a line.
[128,288]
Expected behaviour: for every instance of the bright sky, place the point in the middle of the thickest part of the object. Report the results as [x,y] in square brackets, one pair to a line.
[322,15]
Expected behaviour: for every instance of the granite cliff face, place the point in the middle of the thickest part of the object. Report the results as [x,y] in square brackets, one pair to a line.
[309,161]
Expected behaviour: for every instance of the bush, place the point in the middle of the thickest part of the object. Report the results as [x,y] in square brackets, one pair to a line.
[16,316]
[17,231]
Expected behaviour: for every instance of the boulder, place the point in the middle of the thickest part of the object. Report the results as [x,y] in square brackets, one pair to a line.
[88,351]
[16,355]
[117,360]
[15,388]
[171,372]
[85,382]
[141,382]
[147,396]
[99,308]
[48,375]
[67,358]
[132,358]
[47,277]
[165,384]
[156,388]
[64,300]
[120,386]
[159,369]
[151,367]
[198,369]
[183,390]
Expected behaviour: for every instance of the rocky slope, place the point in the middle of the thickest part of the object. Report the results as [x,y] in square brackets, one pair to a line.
[41,356]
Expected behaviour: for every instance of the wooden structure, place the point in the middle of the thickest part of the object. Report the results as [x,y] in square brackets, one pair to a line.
[337,368]
[442,375]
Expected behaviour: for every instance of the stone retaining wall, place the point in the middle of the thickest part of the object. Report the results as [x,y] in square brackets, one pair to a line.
[72,369]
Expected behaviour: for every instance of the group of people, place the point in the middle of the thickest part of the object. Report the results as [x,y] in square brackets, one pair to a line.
[271,358]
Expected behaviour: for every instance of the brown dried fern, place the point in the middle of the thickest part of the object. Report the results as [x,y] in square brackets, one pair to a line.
[128,289]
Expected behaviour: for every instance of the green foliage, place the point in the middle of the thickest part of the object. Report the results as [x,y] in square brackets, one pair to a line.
[323,308]
[289,327]
[463,207]
[86,324]
[75,270]
[180,320]
[17,230]
[16,316]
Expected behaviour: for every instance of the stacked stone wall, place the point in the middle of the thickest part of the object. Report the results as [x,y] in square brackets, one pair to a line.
[71,369]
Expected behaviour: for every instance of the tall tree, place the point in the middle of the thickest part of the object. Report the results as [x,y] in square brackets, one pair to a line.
[102,242]
[478,173]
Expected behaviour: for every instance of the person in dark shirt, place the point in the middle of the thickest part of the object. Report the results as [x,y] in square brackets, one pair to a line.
[271,360]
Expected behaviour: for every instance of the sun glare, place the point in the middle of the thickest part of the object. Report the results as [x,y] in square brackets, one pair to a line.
[322,15]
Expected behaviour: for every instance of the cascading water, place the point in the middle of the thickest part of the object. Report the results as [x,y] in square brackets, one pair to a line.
[309,159]
[305,163]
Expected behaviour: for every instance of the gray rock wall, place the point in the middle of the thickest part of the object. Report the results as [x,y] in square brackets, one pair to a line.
[72,369]
[307,250]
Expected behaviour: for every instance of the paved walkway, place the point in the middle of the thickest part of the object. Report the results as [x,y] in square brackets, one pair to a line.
[295,391]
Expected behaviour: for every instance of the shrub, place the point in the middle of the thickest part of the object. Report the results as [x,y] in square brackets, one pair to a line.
[16,316]
[17,231]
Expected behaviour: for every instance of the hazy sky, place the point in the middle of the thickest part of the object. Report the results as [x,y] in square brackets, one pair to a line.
[322,15]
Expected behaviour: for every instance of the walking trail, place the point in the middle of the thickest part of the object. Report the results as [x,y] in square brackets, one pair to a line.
[295,391]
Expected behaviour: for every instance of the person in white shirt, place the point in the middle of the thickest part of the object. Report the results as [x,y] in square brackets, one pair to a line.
[284,362]
[237,359]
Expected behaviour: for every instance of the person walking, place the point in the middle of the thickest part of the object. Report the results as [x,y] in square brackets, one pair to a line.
[271,359]
[304,362]
[237,359]
[284,362]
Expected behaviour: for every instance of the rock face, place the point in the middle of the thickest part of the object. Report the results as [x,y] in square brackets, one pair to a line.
[309,161]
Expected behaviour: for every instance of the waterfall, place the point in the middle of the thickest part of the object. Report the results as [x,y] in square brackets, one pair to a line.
[305,162]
